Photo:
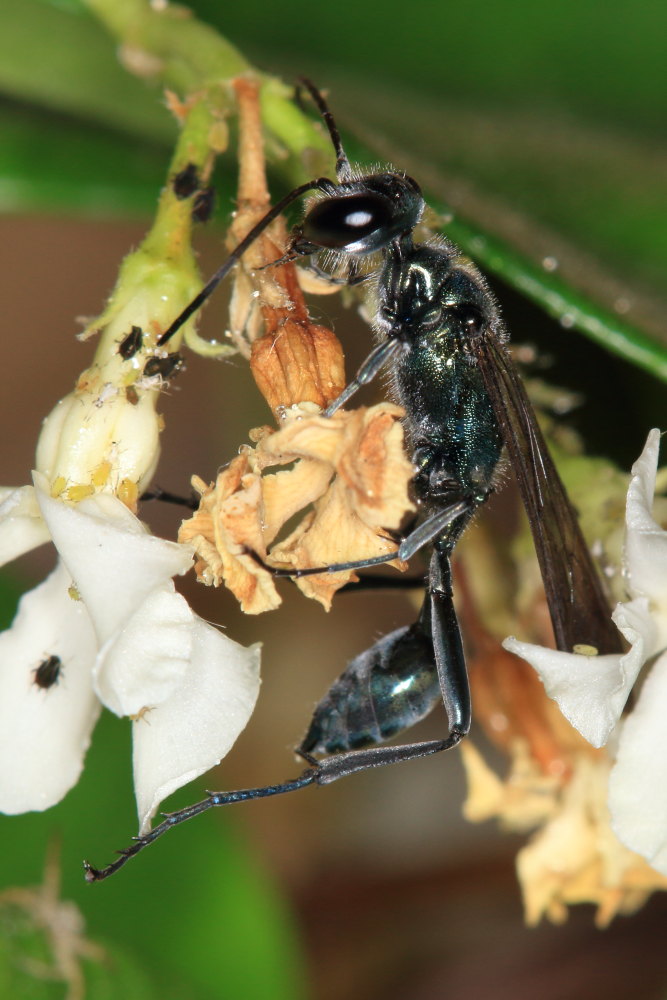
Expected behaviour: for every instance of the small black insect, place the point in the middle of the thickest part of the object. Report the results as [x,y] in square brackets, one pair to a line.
[203,204]
[164,367]
[185,182]
[130,344]
[48,672]
[446,346]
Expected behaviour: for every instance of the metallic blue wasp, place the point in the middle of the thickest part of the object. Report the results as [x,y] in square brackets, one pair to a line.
[442,338]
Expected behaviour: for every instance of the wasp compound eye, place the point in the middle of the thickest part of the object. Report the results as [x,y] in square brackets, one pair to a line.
[347,223]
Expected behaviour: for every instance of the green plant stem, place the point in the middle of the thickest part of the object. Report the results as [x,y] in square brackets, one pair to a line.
[171,45]
[558,299]
[189,56]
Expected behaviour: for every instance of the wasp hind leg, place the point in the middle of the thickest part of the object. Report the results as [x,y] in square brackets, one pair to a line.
[383,691]
[393,685]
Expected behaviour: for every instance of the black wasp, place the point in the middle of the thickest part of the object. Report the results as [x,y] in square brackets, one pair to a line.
[442,337]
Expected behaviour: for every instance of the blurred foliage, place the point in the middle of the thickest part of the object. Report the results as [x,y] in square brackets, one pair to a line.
[539,126]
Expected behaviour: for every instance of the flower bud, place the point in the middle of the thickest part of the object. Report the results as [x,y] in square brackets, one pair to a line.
[104,436]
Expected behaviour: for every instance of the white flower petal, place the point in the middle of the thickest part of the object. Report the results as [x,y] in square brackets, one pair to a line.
[146,661]
[44,733]
[591,690]
[638,783]
[22,527]
[197,726]
[642,486]
[635,622]
[645,541]
[112,559]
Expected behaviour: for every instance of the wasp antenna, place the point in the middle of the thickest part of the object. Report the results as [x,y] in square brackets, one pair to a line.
[343,168]
[321,183]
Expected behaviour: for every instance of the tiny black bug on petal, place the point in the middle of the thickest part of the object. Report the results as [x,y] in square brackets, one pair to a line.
[48,672]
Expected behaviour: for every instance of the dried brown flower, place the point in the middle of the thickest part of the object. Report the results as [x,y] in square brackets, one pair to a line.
[574,857]
[347,475]
[556,785]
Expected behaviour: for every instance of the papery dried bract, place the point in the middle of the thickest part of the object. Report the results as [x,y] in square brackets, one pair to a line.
[228,520]
[352,471]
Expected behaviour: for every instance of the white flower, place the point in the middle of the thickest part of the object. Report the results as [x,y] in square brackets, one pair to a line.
[125,639]
[592,691]
[123,636]
[22,526]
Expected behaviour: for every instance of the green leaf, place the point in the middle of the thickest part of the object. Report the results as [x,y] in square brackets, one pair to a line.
[600,65]
[541,129]
[65,61]
[543,167]
[85,174]
[29,969]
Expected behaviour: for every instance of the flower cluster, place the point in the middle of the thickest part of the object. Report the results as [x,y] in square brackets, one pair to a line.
[592,691]
[108,619]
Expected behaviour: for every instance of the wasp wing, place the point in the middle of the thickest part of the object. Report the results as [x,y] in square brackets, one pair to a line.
[577,603]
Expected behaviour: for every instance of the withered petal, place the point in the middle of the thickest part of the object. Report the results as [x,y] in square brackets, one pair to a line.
[226,524]
[332,533]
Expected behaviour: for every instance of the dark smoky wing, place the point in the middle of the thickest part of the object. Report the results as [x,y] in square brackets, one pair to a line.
[577,603]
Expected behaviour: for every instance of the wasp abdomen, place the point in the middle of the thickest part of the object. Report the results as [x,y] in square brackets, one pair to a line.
[383,691]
